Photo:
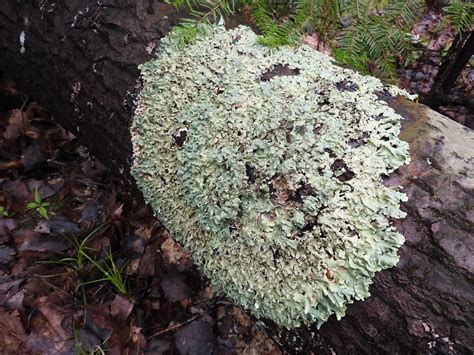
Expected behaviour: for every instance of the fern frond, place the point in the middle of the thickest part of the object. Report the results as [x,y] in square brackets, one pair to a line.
[460,13]
[202,14]
[404,12]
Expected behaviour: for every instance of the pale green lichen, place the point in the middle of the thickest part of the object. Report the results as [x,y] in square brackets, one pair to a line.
[272,183]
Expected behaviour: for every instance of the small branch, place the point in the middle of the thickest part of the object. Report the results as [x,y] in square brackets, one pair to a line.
[173,327]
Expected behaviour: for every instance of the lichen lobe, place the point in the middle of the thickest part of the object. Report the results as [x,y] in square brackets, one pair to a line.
[266,165]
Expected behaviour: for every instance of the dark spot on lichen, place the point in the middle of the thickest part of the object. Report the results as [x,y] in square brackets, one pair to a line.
[378,117]
[339,166]
[276,256]
[330,152]
[324,101]
[232,228]
[347,85]
[317,129]
[353,233]
[301,192]
[250,172]
[355,143]
[308,227]
[236,39]
[279,70]
[301,130]
[180,137]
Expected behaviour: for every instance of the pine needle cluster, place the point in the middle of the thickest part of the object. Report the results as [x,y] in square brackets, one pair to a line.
[370,36]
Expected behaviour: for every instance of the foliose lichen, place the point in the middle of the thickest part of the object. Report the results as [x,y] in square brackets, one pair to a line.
[266,165]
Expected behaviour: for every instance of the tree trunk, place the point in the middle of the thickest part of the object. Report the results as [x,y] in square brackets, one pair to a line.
[80,58]
[452,65]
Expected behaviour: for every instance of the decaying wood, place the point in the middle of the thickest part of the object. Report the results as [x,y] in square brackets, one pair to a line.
[79,59]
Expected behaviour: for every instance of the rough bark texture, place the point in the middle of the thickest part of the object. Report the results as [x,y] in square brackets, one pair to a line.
[79,58]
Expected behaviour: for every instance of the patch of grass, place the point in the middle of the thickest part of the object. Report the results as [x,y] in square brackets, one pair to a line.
[111,272]
[78,261]
[40,206]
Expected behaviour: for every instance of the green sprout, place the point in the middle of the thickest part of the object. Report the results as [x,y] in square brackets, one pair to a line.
[3,212]
[38,205]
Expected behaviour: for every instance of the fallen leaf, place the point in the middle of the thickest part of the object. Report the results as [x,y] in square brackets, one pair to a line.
[59,226]
[29,240]
[6,254]
[121,307]
[174,288]
[53,314]
[16,125]
[160,345]
[33,157]
[195,338]
[12,334]
[7,225]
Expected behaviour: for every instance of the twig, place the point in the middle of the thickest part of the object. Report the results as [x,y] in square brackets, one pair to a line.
[10,165]
[173,327]
[22,116]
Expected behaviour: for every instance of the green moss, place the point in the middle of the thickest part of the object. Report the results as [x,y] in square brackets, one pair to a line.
[272,184]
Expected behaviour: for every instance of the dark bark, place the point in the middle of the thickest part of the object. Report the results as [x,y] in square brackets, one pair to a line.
[79,59]
[453,63]
[424,305]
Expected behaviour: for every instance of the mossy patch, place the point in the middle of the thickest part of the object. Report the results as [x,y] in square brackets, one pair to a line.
[266,165]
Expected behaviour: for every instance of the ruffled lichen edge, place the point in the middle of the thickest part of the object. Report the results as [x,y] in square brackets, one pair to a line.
[267,166]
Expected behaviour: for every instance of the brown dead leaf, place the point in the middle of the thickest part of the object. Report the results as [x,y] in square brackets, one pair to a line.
[121,307]
[173,252]
[44,339]
[195,338]
[12,334]
[174,288]
[16,125]
[53,314]
[138,341]
[29,240]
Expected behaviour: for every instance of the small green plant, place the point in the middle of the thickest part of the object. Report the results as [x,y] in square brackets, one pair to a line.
[3,212]
[38,205]
[110,271]
[78,260]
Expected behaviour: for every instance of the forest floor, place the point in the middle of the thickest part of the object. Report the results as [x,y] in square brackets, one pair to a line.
[84,267]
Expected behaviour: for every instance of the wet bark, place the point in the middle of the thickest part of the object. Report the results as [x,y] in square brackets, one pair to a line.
[80,58]
[451,67]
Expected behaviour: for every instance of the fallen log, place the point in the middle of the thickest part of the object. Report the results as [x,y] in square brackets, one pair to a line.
[80,60]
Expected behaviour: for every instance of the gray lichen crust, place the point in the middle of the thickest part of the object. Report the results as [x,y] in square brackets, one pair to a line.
[266,165]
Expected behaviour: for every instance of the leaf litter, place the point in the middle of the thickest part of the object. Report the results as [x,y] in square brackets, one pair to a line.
[67,228]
